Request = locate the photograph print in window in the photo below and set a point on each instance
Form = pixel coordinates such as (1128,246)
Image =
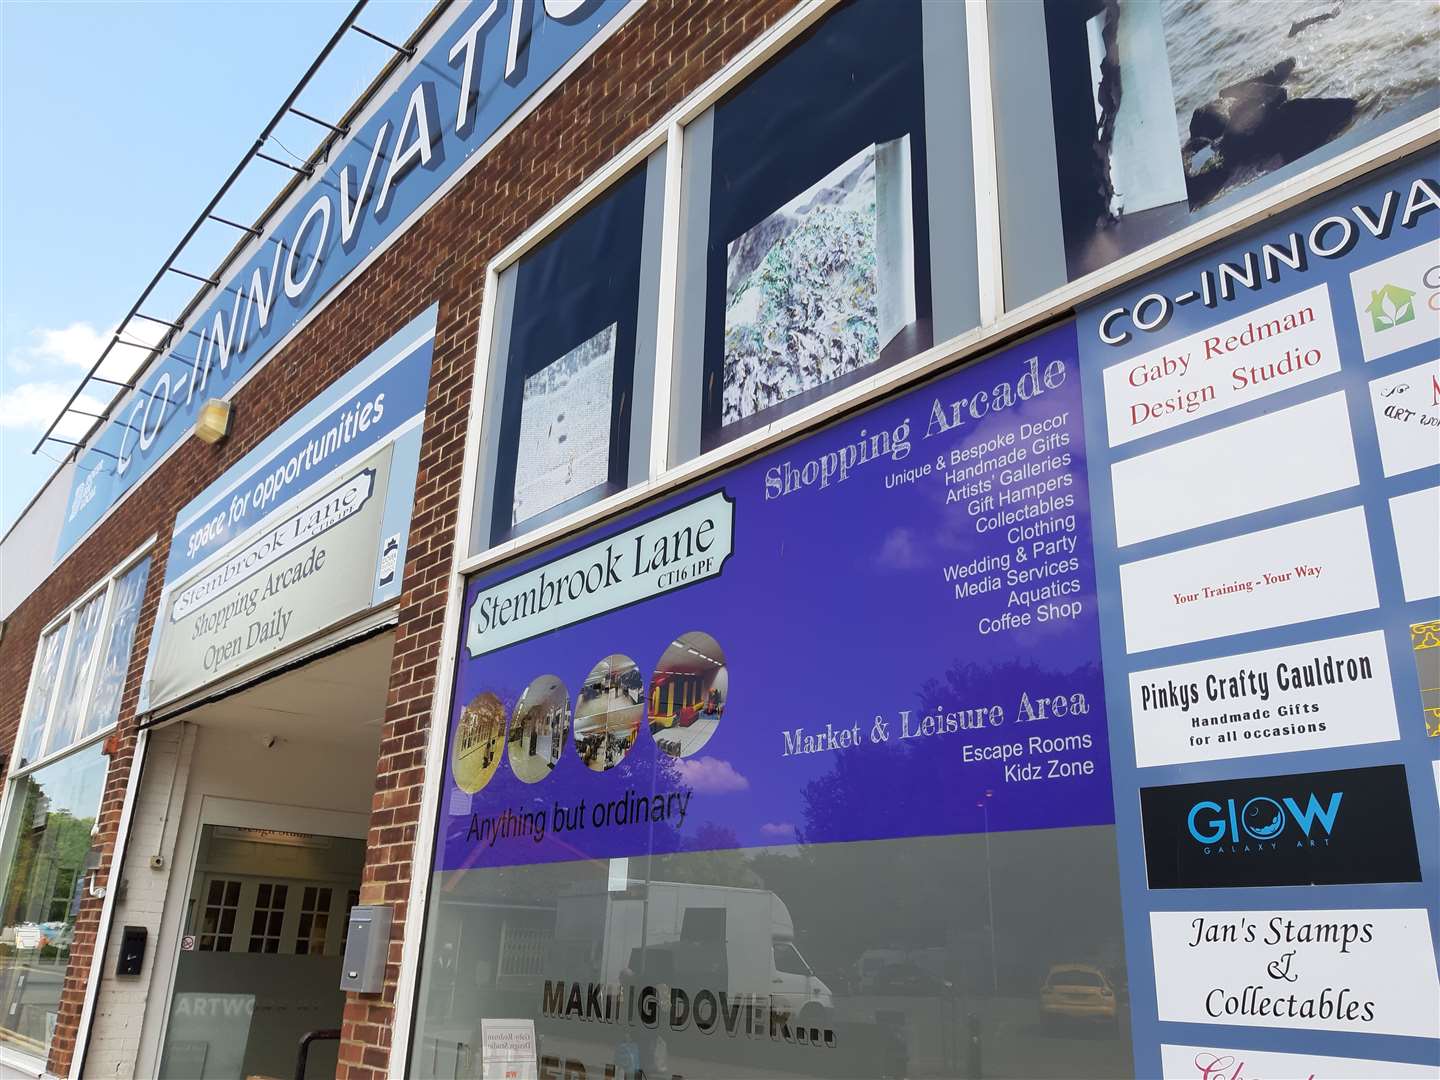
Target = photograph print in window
(816,289)
(1164,111)
(565,427)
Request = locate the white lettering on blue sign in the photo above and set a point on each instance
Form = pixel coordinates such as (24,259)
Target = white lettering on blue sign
(454,97)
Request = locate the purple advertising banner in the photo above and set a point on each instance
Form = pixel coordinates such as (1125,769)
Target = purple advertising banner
(886,629)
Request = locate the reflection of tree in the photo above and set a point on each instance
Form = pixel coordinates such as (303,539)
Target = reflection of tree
(47,860)
(929,892)
(927,896)
(715,859)
(970,683)
(900,788)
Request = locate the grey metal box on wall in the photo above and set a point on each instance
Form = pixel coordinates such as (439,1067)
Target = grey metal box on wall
(366,947)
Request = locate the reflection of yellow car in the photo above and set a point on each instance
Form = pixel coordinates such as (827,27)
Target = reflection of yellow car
(1078,992)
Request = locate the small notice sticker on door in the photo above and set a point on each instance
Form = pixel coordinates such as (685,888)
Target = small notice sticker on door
(507,1049)
(187,943)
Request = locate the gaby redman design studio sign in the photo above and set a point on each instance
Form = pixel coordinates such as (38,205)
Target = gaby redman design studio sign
(489,58)
(304,531)
(885,629)
(1350,970)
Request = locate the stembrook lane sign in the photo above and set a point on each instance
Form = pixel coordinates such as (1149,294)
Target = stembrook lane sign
(682,547)
(305,531)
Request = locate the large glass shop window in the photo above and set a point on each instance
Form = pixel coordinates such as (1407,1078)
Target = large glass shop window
(45,858)
(707,813)
(53,800)
(828,220)
(568,409)
(1153,115)
(931,957)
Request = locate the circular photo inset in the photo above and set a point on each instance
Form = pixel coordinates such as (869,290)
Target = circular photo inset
(688,694)
(479,740)
(539,728)
(608,714)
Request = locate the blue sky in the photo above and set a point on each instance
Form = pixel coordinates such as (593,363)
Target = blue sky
(118,121)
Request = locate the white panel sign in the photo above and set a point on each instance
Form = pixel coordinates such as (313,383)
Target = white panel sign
(1396,300)
(1407,418)
(1292,573)
(1416,518)
(1216,1063)
(1300,697)
(1367,970)
(1279,458)
(686,545)
(301,569)
(1284,344)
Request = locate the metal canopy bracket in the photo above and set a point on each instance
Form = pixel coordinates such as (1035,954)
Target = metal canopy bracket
(316,120)
(208,214)
(194,277)
(408,52)
(152,318)
(234,224)
(304,170)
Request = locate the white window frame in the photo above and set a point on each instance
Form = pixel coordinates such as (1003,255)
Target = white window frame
(999,325)
(105,585)
(10,1057)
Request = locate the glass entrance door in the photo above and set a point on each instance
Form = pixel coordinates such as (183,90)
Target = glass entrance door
(260,958)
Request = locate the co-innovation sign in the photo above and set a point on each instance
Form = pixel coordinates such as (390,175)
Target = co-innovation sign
(491,58)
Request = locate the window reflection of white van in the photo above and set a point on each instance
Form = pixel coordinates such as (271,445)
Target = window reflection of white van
(694,937)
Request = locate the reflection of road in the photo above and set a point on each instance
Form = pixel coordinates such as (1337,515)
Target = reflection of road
(1012,1040)
(38,997)
(934,1032)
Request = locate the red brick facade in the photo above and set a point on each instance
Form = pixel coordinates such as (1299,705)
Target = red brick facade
(661,54)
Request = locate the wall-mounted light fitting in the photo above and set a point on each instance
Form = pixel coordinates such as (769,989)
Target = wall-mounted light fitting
(213,423)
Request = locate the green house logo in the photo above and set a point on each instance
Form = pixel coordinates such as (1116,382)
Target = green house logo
(1390,307)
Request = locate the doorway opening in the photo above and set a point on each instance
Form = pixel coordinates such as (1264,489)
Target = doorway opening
(259,964)
(263,803)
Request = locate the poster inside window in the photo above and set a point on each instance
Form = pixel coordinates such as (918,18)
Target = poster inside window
(114,662)
(575,318)
(565,428)
(812,192)
(42,694)
(1166,112)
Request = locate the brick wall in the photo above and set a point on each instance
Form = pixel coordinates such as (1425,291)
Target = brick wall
(665,51)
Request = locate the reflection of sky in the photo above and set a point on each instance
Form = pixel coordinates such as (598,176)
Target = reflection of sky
(816,628)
